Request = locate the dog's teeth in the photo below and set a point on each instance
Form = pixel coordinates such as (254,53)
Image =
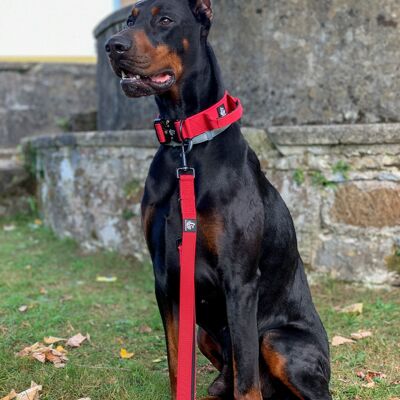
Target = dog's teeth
(123,74)
(137,76)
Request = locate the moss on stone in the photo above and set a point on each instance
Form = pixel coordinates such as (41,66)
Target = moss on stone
(393,261)
(298,176)
(133,191)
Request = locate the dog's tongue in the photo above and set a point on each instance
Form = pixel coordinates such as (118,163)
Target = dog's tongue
(161,78)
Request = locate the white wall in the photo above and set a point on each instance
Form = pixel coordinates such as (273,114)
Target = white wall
(50,27)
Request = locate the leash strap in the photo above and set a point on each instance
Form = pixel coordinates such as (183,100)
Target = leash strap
(186,379)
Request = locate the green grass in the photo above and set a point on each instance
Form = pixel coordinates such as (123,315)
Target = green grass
(31,258)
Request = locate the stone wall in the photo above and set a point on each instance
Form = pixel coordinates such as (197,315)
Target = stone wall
(341,183)
(37,98)
(291,62)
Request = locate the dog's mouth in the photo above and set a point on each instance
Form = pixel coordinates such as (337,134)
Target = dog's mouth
(136,84)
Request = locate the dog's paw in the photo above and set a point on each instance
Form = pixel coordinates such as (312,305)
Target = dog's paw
(218,389)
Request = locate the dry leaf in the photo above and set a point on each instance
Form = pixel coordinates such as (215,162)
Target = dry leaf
(125,354)
(369,377)
(39,356)
(66,297)
(8,228)
(158,360)
(38,222)
(30,394)
(61,350)
(368,385)
(12,395)
(145,329)
(52,340)
(43,353)
(394,398)
(361,335)
(356,308)
(43,290)
(106,279)
(85,398)
(23,308)
(76,341)
(374,374)
(339,340)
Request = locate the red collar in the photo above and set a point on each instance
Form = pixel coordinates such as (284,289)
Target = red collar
(207,123)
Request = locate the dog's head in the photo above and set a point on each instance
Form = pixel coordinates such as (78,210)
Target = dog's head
(159,41)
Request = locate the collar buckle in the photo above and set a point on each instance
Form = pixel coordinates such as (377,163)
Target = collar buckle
(167,130)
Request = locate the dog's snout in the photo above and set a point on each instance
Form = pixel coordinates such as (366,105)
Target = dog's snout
(118,44)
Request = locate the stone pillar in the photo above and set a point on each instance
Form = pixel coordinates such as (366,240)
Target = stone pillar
(291,62)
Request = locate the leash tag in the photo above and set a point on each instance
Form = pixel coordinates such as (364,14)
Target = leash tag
(190,225)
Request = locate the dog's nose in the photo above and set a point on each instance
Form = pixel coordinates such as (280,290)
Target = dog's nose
(118,44)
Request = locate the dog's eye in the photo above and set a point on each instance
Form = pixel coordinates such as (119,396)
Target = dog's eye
(131,21)
(165,21)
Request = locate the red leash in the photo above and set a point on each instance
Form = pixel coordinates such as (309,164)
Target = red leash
(197,129)
(186,385)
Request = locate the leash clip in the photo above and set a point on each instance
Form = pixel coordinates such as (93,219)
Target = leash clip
(187,146)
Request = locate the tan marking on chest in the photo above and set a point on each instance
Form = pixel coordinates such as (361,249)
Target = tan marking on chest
(211,228)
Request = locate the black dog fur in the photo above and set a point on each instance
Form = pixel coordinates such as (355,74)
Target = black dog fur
(257,322)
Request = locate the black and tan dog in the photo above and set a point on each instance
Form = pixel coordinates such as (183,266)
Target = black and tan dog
(258,324)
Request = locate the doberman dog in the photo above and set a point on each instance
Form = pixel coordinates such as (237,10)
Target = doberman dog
(257,322)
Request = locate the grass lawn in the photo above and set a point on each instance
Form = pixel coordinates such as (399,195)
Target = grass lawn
(114,314)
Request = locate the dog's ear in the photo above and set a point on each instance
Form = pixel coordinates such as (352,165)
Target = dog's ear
(202,10)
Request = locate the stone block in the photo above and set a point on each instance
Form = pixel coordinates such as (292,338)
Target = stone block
(37,98)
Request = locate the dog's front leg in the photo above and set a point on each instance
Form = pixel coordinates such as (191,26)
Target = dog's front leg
(170,316)
(241,299)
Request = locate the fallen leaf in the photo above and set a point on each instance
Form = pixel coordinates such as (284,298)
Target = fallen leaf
(23,308)
(361,335)
(30,394)
(66,297)
(12,395)
(374,374)
(61,349)
(43,353)
(38,222)
(339,340)
(52,340)
(28,267)
(370,377)
(8,228)
(356,308)
(158,360)
(43,290)
(85,398)
(369,385)
(145,329)
(208,368)
(394,398)
(70,327)
(40,356)
(76,341)
(125,354)
(106,279)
